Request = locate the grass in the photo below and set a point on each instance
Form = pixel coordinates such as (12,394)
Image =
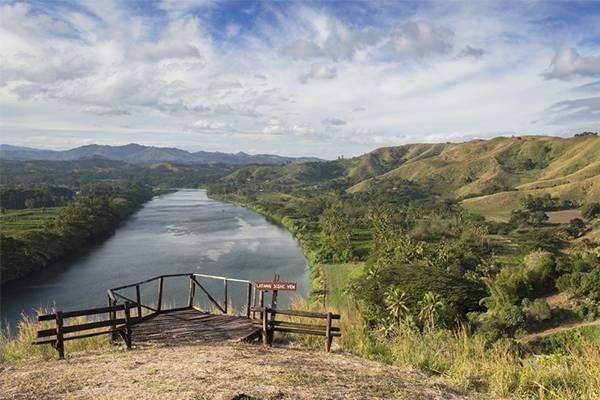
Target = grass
(19,346)
(467,362)
(337,277)
(16,222)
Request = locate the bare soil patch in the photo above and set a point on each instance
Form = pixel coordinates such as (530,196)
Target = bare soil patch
(563,216)
(231,371)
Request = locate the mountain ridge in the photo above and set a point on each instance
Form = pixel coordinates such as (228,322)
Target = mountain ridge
(139,154)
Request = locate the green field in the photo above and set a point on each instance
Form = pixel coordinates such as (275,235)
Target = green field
(336,278)
(17,222)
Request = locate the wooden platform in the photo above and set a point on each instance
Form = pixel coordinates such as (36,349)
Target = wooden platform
(192,326)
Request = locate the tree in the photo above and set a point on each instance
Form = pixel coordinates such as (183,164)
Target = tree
(591,210)
(431,305)
(576,227)
(336,229)
(395,303)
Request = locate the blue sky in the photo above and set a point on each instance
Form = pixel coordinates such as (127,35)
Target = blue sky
(295,77)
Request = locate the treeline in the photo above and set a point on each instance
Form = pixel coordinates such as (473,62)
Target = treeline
(75,174)
(17,198)
(546,203)
(96,212)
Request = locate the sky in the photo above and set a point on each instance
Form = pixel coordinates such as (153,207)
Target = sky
(297,78)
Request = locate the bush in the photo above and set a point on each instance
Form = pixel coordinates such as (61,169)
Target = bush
(591,210)
(460,295)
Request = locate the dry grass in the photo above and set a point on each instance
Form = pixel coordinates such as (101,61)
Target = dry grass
(214,372)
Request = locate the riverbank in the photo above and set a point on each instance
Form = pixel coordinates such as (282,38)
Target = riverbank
(305,239)
(29,245)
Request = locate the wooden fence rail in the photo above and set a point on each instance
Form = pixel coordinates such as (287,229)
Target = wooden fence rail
(270,324)
(57,334)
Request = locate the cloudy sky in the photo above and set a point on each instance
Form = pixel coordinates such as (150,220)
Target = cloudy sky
(295,78)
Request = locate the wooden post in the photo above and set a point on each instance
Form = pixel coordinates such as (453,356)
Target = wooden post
(127,326)
(160,293)
(329,338)
(60,343)
(112,315)
(265,327)
(274,308)
(261,302)
(192,293)
(254,300)
(138,299)
(225,295)
(248,300)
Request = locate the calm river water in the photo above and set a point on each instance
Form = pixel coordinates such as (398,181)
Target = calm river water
(178,232)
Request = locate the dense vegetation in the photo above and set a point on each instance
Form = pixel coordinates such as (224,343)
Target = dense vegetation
(94,213)
(427,271)
(73,174)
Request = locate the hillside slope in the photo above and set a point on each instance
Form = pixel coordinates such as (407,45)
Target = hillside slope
(484,173)
(233,371)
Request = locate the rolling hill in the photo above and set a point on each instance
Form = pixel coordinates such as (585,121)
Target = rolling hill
(138,154)
(488,176)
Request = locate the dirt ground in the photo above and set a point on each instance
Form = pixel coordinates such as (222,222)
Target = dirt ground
(225,371)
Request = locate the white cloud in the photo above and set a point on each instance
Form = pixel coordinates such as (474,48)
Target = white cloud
(291,77)
(567,63)
(421,39)
(333,122)
(319,71)
(203,124)
(301,49)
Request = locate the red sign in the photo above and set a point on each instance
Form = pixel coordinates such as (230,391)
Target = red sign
(272,285)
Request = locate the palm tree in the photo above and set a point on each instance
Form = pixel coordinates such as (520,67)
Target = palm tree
(395,303)
(431,305)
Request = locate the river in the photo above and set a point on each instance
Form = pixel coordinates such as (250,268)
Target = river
(179,232)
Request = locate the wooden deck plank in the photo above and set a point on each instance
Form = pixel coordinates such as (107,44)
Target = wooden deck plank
(193,326)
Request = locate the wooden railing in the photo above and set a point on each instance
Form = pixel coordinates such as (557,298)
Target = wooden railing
(195,282)
(60,332)
(118,318)
(271,325)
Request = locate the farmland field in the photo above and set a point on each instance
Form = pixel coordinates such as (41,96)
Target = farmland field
(563,216)
(16,222)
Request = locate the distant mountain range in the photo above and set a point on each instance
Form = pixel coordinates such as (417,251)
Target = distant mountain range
(138,154)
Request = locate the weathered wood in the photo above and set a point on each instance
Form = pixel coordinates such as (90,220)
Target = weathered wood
(79,313)
(265,328)
(328,333)
(138,301)
(225,296)
(127,326)
(112,315)
(298,313)
(192,326)
(191,293)
(212,300)
(60,344)
(304,326)
(261,304)
(305,331)
(248,300)
(160,293)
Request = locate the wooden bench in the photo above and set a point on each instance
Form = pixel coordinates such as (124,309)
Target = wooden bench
(60,333)
(270,324)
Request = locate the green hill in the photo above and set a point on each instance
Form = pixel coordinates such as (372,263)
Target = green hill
(489,176)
